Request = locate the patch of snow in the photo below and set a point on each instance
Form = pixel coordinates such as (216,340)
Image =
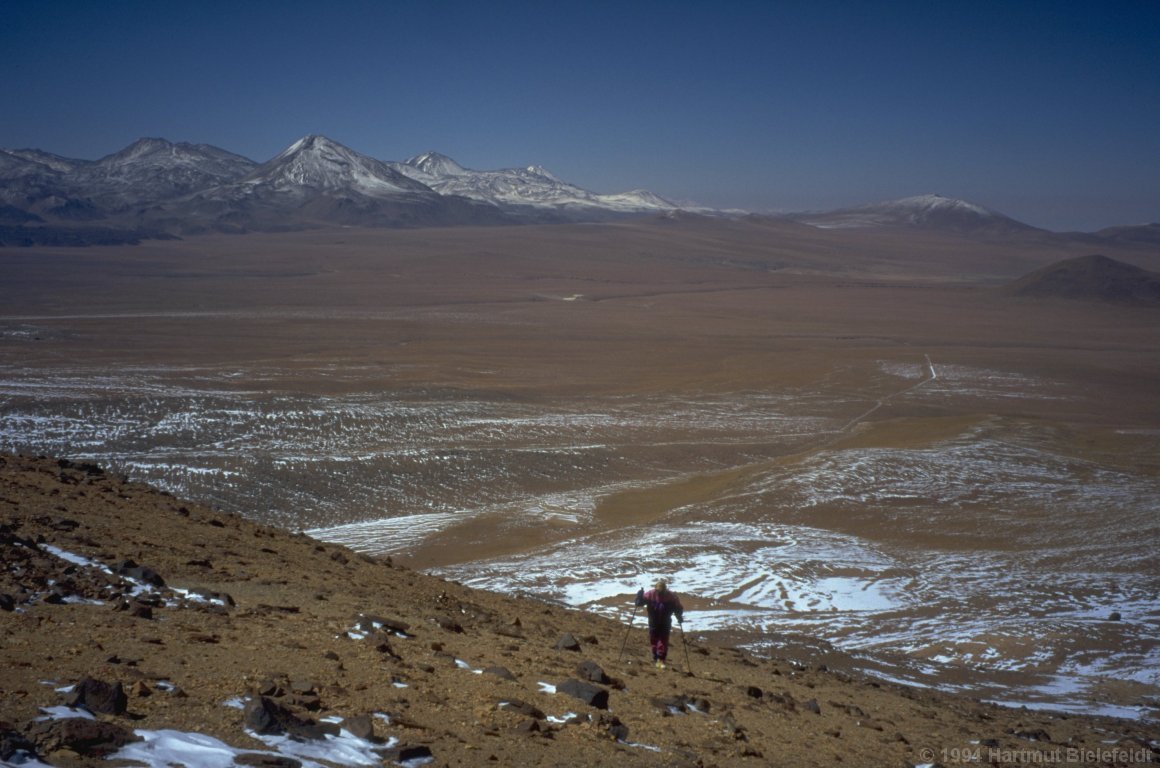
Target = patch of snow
(195,597)
(344,749)
(80,560)
(77,600)
(638,745)
(164,748)
(65,713)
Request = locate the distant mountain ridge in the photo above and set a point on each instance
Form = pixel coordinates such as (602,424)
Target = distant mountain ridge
(533,186)
(157,186)
(318,182)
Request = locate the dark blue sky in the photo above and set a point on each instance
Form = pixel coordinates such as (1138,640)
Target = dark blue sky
(1047,111)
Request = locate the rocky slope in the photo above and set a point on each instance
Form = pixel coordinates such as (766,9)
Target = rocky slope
(166,619)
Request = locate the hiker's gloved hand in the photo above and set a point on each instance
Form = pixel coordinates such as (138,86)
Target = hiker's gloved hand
(640,594)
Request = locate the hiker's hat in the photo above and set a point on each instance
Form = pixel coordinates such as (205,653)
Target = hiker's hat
(661,584)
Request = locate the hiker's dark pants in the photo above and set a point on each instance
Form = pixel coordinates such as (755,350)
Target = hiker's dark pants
(658,638)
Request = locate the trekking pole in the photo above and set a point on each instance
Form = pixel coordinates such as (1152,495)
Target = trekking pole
(685,642)
(626,631)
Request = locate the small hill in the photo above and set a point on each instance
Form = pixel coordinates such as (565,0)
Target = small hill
(162,632)
(1091,278)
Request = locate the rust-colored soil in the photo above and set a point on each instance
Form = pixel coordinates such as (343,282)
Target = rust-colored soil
(296,600)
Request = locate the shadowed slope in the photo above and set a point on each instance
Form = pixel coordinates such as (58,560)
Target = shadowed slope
(1091,278)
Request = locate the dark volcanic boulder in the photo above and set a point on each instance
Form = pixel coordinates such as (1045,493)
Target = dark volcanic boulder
(266,716)
(368,623)
(360,726)
(98,696)
(592,672)
(567,643)
(402,754)
(522,708)
(12,741)
(592,695)
(89,738)
(137,609)
(503,672)
(131,570)
(449,624)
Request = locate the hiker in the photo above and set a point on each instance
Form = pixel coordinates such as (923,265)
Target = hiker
(662,605)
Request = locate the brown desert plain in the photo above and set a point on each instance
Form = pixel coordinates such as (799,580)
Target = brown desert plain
(582,408)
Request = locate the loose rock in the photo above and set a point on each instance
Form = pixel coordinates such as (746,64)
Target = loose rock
(592,695)
(90,738)
(98,696)
(592,672)
(567,643)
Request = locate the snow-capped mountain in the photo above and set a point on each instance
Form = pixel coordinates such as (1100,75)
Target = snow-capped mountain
(32,184)
(144,173)
(921,211)
(158,186)
(533,186)
(149,170)
(53,162)
(182,187)
(317,182)
(316,163)
(434,166)
(14,167)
